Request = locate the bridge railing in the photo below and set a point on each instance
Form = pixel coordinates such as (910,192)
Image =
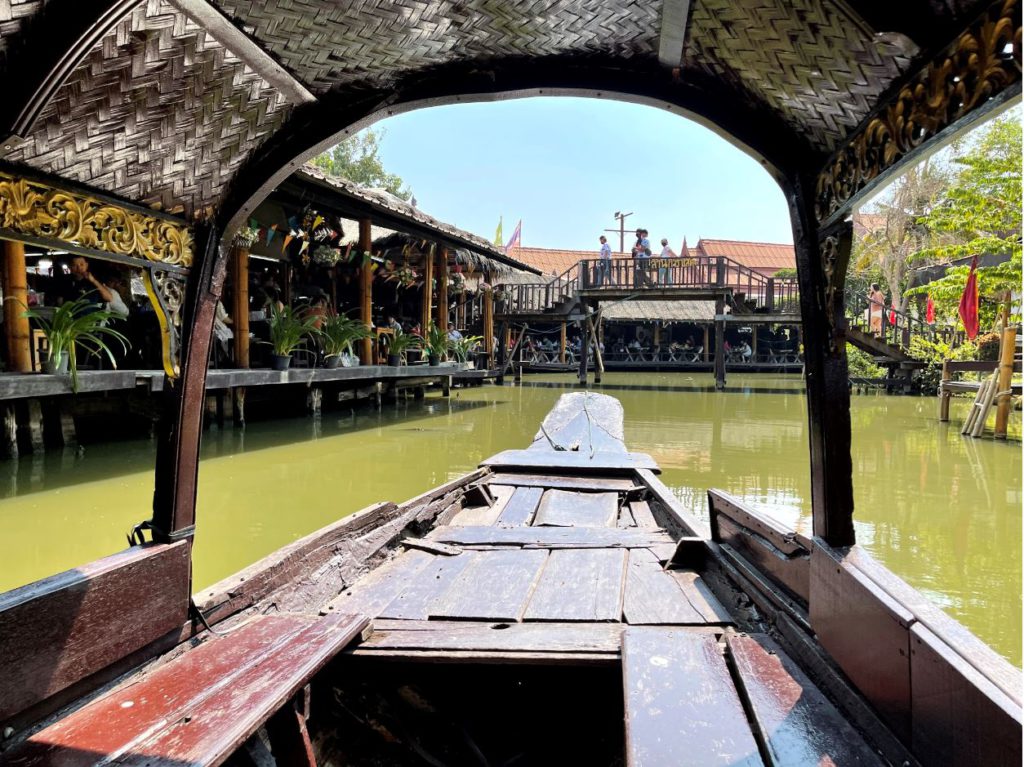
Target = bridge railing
(897,327)
(594,275)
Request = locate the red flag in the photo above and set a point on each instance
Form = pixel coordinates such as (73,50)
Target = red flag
(969,302)
(929,311)
(892,312)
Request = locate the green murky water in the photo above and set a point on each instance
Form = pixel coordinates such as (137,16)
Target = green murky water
(942,511)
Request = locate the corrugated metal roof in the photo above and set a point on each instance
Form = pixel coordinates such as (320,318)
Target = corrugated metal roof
(756,255)
(663,311)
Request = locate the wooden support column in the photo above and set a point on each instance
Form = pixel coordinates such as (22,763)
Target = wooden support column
(719,345)
(707,344)
(489,324)
(365,290)
(822,258)
(584,348)
(442,287)
(19,355)
(1007,349)
(240,305)
(428,293)
(561,344)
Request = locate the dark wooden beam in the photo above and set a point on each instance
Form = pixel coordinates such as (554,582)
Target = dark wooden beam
(674,15)
(181,424)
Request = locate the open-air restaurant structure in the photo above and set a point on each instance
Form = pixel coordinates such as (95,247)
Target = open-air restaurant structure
(556,604)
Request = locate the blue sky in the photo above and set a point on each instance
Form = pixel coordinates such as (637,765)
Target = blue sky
(565,165)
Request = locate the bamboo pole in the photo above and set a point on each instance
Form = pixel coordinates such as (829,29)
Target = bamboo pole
(16,330)
(428,293)
(442,288)
(1007,348)
(240,305)
(366,290)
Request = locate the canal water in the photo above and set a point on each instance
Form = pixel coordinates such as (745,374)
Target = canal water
(941,511)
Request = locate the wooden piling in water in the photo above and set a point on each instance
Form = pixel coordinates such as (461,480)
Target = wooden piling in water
(16,330)
(366,289)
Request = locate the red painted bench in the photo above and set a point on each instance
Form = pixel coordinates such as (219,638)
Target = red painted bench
(201,706)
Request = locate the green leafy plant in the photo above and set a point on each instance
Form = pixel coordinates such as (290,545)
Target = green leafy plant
(339,332)
(934,353)
(860,364)
(79,324)
(465,346)
(288,329)
(437,343)
(402,342)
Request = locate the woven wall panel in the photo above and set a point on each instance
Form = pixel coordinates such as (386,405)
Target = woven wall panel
(327,43)
(818,69)
(158,112)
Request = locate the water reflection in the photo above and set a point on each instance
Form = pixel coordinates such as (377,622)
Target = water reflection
(940,510)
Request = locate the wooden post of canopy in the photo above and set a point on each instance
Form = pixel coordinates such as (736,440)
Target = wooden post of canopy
(240,305)
(19,354)
(707,344)
(561,344)
(428,291)
(489,323)
(1007,349)
(442,288)
(365,289)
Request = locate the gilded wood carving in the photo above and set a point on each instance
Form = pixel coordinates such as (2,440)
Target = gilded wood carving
(37,210)
(983,62)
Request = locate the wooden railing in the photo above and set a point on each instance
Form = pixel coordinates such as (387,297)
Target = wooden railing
(750,289)
(898,328)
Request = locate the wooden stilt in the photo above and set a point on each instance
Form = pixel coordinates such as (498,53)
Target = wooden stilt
(596,344)
(366,290)
(238,395)
(707,344)
(944,395)
(16,330)
(66,424)
(240,305)
(719,345)
(1007,349)
(442,287)
(489,325)
(426,311)
(561,343)
(10,431)
(34,425)
(584,348)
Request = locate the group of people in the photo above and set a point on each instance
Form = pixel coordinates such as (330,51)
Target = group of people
(642,270)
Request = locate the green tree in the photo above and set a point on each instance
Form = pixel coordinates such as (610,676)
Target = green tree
(978,214)
(358,159)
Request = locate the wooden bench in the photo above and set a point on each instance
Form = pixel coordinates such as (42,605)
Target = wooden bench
(201,706)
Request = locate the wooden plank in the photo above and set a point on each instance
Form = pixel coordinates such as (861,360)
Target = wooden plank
(62,629)
(700,596)
(583,484)
(785,540)
(550,537)
(374,591)
(491,657)
(653,596)
(431,547)
(796,722)
(675,518)
(623,463)
(426,587)
(519,508)
(958,716)
(199,707)
(495,585)
(681,705)
(865,631)
(642,514)
(584,421)
(579,585)
(792,573)
(565,508)
(500,637)
(485,515)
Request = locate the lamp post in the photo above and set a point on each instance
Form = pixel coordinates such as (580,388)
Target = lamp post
(621,218)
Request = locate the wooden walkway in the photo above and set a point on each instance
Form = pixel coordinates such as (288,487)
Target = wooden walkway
(543,567)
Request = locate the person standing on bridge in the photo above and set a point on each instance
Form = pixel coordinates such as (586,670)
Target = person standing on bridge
(666,254)
(604,265)
(641,260)
(876,307)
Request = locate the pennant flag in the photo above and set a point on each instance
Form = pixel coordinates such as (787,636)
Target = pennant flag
(498,238)
(515,242)
(304,247)
(929,311)
(287,238)
(293,222)
(254,224)
(969,302)
(317,221)
(892,312)
(271,232)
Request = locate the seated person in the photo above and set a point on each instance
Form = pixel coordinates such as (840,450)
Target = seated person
(745,351)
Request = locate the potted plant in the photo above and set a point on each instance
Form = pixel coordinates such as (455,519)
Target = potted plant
(465,346)
(337,334)
(437,344)
(401,343)
(288,329)
(73,325)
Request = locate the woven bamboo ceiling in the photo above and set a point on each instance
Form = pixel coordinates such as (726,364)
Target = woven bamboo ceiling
(170,98)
